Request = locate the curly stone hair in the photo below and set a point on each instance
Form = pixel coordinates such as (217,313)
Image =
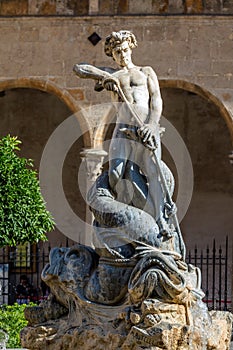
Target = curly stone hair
(116,38)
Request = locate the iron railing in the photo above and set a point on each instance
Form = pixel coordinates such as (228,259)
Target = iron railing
(216,271)
(29,260)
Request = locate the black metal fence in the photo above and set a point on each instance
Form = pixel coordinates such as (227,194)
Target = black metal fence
(29,260)
(216,268)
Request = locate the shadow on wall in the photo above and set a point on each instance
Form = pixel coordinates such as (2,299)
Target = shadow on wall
(207,138)
(33,115)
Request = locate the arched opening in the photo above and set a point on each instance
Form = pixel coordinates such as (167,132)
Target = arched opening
(32,115)
(207,129)
(207,137)
(52,88)
(205,94)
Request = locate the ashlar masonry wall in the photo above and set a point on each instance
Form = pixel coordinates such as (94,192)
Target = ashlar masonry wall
(113,7)
(193,50)
(191,53)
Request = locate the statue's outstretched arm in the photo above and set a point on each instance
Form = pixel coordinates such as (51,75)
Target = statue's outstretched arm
(88,71)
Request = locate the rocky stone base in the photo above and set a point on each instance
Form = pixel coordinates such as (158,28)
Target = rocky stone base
(61,334)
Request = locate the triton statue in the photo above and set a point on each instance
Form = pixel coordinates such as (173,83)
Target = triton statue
(134,290)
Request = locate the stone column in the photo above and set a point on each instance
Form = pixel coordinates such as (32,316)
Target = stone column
(92,160)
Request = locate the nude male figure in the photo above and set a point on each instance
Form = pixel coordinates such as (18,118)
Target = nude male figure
(141,90)
(138,88)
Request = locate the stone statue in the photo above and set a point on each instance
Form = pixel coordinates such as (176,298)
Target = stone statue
(134,290)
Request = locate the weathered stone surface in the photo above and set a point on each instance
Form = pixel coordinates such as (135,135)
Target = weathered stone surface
(72,7)
(160,6)
(151,323)
(48,310)
(47,8)
(194,6)
(13,7)
(64,334)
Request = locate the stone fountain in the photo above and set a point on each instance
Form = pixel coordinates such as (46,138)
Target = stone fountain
(134,290)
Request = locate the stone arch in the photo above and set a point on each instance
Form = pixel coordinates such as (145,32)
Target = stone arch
(33,112)
(206,94)
(203,122)
(103,127)
(52,88)
(102,130)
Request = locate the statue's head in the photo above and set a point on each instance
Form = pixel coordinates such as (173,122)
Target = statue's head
(119,46)
(117,38)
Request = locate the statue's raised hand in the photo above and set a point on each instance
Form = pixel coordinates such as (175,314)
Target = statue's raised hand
(111,84)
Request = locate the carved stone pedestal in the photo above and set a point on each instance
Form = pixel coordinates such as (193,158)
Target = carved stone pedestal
(63,334)
(133,291)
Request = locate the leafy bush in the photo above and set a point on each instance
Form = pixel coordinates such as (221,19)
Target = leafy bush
(23,215)
(12,320)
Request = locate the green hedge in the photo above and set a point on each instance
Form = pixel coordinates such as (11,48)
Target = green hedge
(12,320)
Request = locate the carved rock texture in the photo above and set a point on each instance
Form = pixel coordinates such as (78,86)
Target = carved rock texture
(61,335)
(133,292)
(159,308)
(70,321)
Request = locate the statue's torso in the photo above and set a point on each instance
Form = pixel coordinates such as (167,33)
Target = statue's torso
(133,83)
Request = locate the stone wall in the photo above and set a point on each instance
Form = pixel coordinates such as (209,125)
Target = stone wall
(113,7)
(32,116)
(194,53)
(191,54)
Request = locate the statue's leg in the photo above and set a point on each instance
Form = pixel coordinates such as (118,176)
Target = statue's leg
(155,190)
(118,155)
(139,187)
(155,201)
